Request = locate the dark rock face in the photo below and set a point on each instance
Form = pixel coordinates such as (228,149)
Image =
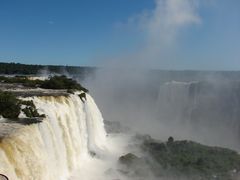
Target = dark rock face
(9,126)
(83,97)
(134,166)
(128,159)
(26,121)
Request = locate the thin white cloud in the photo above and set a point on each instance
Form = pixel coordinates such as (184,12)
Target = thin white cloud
(161,27)
(169,16)
(51,22)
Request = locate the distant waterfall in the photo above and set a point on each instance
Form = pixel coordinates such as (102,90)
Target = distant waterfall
(206,111)
(54,148)
(174,103)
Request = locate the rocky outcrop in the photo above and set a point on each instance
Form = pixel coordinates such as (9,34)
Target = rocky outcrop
(182,159)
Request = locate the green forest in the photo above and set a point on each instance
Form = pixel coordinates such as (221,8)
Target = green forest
(26,69)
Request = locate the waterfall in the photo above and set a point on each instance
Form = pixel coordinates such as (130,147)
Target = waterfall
(203,111)
(174,103)
(71,131)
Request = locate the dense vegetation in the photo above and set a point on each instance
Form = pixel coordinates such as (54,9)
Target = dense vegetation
(24,69)
(11,107)
(185,159)
(25,81)
(30,109)
(54,82)
(62,82)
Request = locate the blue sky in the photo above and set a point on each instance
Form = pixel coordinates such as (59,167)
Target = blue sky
(93,32)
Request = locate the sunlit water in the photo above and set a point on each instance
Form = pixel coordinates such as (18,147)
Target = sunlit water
(70,143)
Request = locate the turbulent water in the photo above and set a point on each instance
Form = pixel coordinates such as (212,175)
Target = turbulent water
(71,142)
(72,131)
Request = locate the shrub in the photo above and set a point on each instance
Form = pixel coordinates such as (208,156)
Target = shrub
(30,109)
(188,157)
(170,140)
(9,105)
(55,82)
(62,82)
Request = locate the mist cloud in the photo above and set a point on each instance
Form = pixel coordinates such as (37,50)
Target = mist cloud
(160,29)
(169,17)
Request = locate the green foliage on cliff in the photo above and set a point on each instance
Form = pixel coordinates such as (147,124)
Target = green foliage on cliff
(62,82)
(185,159)
(10,106)
(54,82)
(189,157)
(30,109)
(24,80)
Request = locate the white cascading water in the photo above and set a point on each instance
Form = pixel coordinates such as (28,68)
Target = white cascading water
(53,149)
(173,103)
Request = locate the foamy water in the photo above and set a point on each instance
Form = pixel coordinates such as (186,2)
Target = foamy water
(59,147)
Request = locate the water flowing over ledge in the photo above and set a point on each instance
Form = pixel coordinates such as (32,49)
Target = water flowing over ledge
(72,130)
